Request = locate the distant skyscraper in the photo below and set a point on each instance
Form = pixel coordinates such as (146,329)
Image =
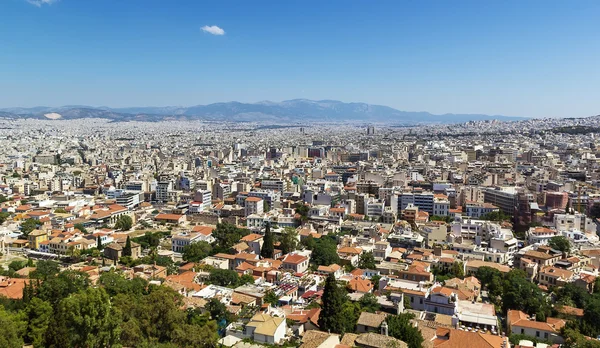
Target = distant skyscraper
(370,130)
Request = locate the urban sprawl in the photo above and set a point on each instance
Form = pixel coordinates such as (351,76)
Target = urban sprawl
(210,234)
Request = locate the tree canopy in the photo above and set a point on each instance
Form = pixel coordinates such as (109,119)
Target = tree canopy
(334,298)
(288,240)
(195,252)
(62,309)
(325,252)
(366,260)
(560,243)
(267,249)
(124,223)
(400,327)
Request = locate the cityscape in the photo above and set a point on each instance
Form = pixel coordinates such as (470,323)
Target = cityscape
(307,222)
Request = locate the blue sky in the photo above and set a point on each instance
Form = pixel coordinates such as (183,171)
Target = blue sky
(520,58)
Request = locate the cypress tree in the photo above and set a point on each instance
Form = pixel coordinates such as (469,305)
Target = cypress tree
(127,248)
(98,243)
(334,298)
(267,248)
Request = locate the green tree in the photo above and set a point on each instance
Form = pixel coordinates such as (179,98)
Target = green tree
(192,336)
(246,279)
(65,283)
(267,248)
(45,269)
(39,315)
(400,327)
(495,216)
(591,313)
(3,217)
(332,315)
(29,225)
(127,248)
(271,298)
(223,277)
(16,265)
(560,243)
(572,295)
(521,294)
(93,321)
(491,279)
(458,269)
(226,235)
(309,243)
(325,252)
(195,252)
(81,228)
(60,211)
(368,303)
(375,281)
(13,329)
(289,240)
(218,311)
(124,223)
(366,260)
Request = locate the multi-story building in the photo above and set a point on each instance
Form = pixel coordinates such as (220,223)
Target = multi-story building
(476,210)
(254,205)
(505,198)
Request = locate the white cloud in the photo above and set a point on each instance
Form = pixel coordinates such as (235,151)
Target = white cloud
(39,3)
(212,29)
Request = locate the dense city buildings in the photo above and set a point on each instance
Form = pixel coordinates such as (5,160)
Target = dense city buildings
(414,219)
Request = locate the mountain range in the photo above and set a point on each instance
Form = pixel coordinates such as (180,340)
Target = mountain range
(296,110)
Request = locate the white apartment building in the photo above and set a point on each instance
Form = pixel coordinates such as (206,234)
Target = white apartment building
(441,207)
(183,239)
(374,207)
(540,235)
(254,205)
(569,222)
(274,185)
(476,210)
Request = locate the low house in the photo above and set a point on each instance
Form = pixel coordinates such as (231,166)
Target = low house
(319,339)
(370,322)
(264,328)
(334,269)
(12,288)
(170,218)
(554,276)
(452,338)
(36,237)
(360,285)
(254,242)
(472,266)
(295,262)
(520,324)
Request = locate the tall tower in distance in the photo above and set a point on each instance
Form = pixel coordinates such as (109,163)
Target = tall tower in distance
(370,130)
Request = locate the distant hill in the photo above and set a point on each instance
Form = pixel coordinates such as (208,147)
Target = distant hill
(296,110)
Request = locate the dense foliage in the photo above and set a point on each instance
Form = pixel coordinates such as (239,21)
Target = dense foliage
(560,243)
(267,248)
(400,327)
(366,260)
(61,309)
(324,251)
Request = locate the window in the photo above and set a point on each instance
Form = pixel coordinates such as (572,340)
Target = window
(537,334)
(522,331)
(545,335)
